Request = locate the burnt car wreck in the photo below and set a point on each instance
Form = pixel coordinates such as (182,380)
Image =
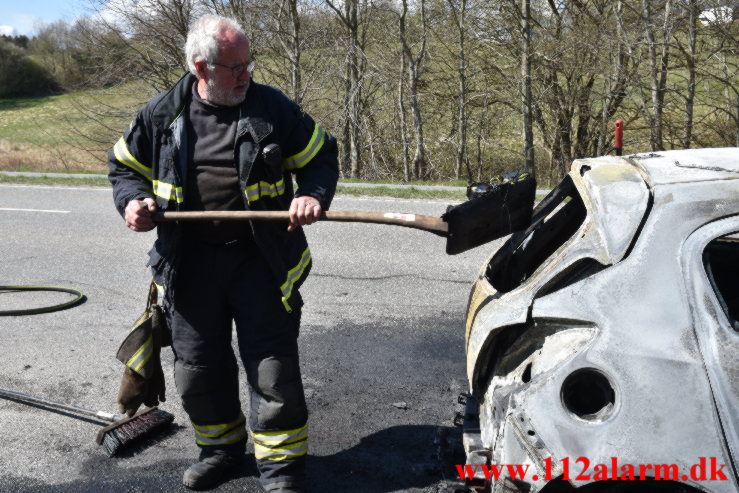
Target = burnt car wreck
(608,331)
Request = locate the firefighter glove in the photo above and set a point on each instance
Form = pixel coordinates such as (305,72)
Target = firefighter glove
(136,390)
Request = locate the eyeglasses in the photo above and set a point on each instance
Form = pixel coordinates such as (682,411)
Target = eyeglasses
(237,70)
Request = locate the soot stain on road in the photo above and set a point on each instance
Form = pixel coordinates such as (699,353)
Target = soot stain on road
(381,397)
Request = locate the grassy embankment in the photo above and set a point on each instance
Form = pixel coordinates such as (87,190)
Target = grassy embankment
(65,133)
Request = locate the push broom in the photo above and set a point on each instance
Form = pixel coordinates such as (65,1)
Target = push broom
(120,433)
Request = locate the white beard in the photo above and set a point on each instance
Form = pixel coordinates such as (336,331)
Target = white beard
(216,95)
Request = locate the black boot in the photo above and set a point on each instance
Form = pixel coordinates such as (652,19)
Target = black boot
(211,468)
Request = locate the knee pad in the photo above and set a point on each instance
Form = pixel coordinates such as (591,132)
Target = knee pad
(277,393)
(208,394)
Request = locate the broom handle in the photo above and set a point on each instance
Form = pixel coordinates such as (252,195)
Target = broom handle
(66,407)
(425,223)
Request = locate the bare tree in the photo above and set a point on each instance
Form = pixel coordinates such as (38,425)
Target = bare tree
(528,131)
(53,46)
(623,66)
(353,18)
(689,52)
(577,85)
(412,64)
(458,11)
(724,70)
(288,23)
(658,66)
(149,38)
(402,115)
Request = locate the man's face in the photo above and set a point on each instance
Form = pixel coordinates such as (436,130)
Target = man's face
(220,85)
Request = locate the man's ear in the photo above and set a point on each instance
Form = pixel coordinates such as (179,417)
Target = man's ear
(201,69)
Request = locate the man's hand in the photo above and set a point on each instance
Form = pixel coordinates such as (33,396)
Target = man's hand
(304,210)
(138,215)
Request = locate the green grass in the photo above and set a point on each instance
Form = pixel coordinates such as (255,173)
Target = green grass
(43,180)
(29,120)
(68,118)
(401,193)
(68,132)
(24,103)
(451,183)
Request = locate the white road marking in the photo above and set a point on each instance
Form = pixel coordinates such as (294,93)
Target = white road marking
(33,210)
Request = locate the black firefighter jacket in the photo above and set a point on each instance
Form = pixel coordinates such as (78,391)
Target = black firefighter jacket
(150,160)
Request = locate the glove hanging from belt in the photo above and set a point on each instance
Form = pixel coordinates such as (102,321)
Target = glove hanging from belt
(143,379)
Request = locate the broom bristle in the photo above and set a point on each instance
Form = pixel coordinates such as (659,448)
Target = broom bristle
(145,424)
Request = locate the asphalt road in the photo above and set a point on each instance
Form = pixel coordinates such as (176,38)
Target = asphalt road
(381,345)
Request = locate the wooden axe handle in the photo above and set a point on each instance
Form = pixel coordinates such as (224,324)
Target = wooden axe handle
(425,223)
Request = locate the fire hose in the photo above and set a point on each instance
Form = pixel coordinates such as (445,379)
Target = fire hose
(80,298)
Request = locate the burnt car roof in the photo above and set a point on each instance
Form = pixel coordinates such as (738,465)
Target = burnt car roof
(688,165)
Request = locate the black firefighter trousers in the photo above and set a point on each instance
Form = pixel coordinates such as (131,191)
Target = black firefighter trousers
(215,286)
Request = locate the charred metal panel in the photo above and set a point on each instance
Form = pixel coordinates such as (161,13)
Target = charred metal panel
(617,199)
(617,343)
(606,188)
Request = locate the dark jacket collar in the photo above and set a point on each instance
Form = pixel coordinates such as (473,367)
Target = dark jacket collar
(171,103)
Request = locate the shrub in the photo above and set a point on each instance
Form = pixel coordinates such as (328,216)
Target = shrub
(22,76)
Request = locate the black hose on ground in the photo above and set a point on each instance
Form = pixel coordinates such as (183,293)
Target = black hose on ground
(80,298)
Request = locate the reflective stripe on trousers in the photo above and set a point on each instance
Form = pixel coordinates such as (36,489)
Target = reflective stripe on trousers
(280,445)
(221,434)
(293,276)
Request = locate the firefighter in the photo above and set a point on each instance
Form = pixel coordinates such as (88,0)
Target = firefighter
(217,140)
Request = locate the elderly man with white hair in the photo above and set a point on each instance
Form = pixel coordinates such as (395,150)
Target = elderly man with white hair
(217,140)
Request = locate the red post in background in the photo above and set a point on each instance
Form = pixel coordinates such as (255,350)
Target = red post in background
(619,140)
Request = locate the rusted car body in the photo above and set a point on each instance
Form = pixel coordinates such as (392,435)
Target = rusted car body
(608,331)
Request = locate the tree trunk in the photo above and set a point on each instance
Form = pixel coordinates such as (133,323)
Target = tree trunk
(295,52)
(287,32)
(690,64)
(355,105)
(731,96)
(349,18)
(419,158)
(528,131)
(460,17)
(403,124)
(346,129)
(352,8)
(657,70)
(664,59)
(615,87)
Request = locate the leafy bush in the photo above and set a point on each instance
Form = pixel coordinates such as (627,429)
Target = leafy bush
(21,75)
